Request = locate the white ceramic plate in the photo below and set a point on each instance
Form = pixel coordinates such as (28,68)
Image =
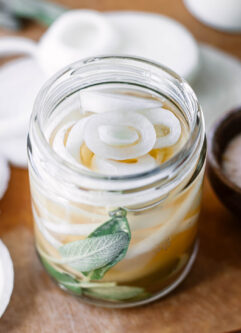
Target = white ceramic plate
(218,86)
(20,81)
(157,37)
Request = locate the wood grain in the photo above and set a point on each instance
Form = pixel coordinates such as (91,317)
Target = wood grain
(210,298)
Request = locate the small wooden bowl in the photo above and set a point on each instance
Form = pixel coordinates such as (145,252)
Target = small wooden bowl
(220,135)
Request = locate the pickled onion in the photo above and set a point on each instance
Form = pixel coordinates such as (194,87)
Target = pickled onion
(110,167)
(59,146)
(163,117)
(75,139)
(98,102)
(147,135)
(117,135)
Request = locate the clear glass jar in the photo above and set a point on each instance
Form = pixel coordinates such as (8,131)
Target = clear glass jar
(160,207)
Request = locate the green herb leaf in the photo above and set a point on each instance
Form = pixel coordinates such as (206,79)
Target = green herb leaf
(118,223)
(92,253)
(64,279)
(117,293)
(103,290)
(103,248)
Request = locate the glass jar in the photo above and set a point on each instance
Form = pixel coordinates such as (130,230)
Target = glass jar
(155,212)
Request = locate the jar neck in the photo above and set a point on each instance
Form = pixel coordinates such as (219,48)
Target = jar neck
(57,172)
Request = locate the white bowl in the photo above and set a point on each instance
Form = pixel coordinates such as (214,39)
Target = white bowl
(220,14)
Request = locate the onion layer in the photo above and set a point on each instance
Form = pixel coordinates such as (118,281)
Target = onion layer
(117,135)
(164,118)
(98,102)
(147,135)
(75,139)
(110,167)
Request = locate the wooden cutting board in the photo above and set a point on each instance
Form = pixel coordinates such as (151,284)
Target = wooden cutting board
(208,301)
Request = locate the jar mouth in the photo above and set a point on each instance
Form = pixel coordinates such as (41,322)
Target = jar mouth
(149,71)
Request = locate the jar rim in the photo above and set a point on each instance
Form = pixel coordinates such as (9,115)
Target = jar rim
(160,172)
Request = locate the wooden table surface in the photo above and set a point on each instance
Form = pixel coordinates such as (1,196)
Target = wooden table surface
(209,300)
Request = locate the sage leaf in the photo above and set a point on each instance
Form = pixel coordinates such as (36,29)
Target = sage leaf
(92,253)
(64,279)
(116,293)
(118,223)
(105,290)
(102,249)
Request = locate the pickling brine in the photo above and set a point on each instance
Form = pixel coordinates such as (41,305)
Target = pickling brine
(116,169)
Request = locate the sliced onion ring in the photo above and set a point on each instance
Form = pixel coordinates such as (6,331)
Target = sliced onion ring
(117,135)
(110,167)
(165,118)
(147,135)
(98,102)
(58,143)
(75,139)
(60,148)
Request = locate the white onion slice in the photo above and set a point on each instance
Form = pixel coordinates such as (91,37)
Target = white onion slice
(98,102)
(187,223)
(117,135)
(58,143)
(50,238)
(147,135)
(71,156)
(71,209)
(70,229)
(167,119)
(75,35)
(110,167)
(6,277)
(4,176)
(155,218)
(149,243)
(75,139)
